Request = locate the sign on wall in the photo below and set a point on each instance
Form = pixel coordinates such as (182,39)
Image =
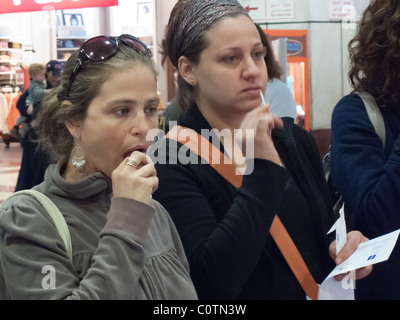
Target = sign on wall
(269,9)
(10,6)
(341,9)
(280,9)
(255,8)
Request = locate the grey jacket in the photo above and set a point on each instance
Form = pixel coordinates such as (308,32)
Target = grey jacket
(122,249)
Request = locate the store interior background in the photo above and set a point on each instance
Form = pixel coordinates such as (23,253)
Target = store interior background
(327,58)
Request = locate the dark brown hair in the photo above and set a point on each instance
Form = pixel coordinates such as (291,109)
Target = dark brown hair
(375,53)
(186,92)
(273,67)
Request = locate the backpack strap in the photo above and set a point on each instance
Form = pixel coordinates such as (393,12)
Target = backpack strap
(376,118)
(55,215)
(227,169)
(374,114)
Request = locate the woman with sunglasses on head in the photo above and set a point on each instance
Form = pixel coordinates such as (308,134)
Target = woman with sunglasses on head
(224,225)
(124,245)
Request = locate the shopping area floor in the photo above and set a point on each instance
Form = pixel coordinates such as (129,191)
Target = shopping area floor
(10,163)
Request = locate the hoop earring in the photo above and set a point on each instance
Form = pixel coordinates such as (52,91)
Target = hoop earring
(78,159)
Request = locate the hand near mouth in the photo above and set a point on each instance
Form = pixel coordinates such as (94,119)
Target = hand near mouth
(262,122)
(135,178)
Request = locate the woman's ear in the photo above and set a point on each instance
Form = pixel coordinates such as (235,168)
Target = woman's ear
(74,126)
(187,71)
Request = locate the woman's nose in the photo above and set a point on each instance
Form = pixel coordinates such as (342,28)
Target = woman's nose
(140,124)
(251,68)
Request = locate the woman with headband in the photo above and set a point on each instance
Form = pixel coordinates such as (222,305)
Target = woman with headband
(123,244)
(224,227)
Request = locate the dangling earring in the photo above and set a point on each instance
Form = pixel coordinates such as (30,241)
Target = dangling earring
(78,158)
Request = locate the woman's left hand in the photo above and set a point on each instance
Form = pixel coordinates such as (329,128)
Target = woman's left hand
(354,239)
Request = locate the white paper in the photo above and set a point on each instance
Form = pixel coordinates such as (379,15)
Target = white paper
(341,231)
(370,252)
(367,253)
(331,289)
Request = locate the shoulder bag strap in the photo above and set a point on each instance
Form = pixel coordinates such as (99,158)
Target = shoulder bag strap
(55,215)
(202,147)
(374,114)
(225,168)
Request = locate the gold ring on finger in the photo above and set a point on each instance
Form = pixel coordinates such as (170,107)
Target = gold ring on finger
(131,162)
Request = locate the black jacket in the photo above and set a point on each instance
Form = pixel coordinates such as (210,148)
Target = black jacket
(225,230)
(34,162)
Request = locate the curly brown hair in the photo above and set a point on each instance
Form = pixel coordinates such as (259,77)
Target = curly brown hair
(375,53)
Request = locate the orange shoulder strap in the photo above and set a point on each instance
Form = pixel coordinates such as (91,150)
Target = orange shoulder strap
(215,158)
(202,147)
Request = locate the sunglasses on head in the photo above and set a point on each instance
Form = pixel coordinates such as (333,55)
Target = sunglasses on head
(102,48)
